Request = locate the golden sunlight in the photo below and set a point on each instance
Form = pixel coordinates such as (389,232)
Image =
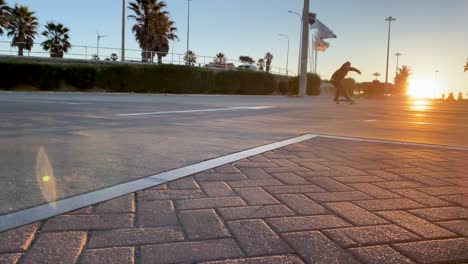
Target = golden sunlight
(424,89)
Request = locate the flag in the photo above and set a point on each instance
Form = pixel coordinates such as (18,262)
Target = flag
(320,44)
(323,31)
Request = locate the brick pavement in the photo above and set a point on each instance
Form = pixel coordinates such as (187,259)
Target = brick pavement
(320,201)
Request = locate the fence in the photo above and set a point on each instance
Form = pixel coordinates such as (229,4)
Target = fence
(131,55)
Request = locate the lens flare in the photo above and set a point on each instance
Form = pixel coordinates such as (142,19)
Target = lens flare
(424,89)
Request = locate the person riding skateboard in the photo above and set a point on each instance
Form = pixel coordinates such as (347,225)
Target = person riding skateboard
(337,80)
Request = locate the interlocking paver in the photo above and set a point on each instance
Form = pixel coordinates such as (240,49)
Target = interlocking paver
(339,196)
(217,189)
(124,204)
(421,197)
(286,259)
(373,190)
(385,175)
(10,258)
(256,173)
(290,178)
(257,239)
(251,212)
(151,195)
(314,247)
(189,252)
(301,204)
(205,203)
(254,183)
(183,184)
(156,213)
(307,223)
(256,196)
(389,204)
(349,170)
(228,168)
(355,214)
(220,177)
(17,240)
(436,251)
(398,184)
(457,226)
(457,199)
(330,184)
(203,224)
(416,225)
(358,179)
(450,190)
(63,247)
(380,254)
(442,213)
(110,255)
(88,222)
(310,188)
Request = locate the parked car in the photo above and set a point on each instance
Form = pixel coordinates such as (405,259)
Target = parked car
(248,67)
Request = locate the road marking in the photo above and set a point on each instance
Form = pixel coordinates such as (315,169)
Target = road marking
(43,102)
(200,110)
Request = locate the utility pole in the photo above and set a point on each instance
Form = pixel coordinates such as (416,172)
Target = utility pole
(287,57)
(397,62)
(390,19)
(123,31)
(188,24)
(304,50)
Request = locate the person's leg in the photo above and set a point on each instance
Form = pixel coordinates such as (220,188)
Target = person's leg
(346,94)
(337,88)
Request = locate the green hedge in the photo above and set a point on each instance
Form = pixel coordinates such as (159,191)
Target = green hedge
(146,79)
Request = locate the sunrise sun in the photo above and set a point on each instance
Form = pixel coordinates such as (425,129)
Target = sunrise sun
(421,89)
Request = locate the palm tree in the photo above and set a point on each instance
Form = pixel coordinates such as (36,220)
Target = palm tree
(190,58)
(153,29)
(22,27)
(261,64)
(4,11)
(376,75)
(220,58)
(58,39)
(268,60)
(401,80)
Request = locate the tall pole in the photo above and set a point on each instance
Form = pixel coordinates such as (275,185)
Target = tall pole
(397,62)
(304,50)
(389,19)
(287,56)
(123,30)
(188,24)
(437,75)
(300,49)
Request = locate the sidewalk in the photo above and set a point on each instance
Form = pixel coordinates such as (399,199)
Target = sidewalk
(320,201)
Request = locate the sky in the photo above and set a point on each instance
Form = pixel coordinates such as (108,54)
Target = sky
(431,34)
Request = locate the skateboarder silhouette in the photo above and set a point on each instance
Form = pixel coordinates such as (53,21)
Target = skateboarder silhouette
(337,81)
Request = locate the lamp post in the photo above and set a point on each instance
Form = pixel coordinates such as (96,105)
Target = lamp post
(300,50)
(390,19)
(123,31)
(397,60)
(188,24)
(304,50)
(99,37)
(287,57)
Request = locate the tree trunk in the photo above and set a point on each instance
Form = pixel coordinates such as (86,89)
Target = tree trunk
(20,50)
(160,58)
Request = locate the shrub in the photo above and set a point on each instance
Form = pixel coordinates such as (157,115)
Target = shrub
(313,85)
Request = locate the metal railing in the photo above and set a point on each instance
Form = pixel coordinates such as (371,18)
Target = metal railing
(81,52)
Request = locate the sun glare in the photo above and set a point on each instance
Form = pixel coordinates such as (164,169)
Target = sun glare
(423,89)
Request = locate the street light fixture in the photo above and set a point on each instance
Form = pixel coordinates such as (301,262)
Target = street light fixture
(397,60)
(300,48)
(287,57)
(390,19)
(188,24)
(123,31)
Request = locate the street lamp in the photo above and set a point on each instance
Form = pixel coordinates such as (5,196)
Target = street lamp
(123,30)
(287,57)
(300,48)
(397,58)
(99,37)
(390,19)
(188,24)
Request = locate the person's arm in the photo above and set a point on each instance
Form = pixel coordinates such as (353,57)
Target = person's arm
(354,70)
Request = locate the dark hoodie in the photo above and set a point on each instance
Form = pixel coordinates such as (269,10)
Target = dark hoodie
(341,73)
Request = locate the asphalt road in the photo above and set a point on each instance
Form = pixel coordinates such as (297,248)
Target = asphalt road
(56,145)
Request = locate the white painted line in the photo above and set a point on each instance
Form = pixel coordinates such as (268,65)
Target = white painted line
(394,142)
(42,102)
(27,216)
(200,110)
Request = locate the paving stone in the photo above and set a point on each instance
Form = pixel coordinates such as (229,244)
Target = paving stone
(358,179)
(189,252)
(83,211)
(315,166)
(253,164)
(389,204)
(370,235)
(228,168)
(256,174)
(457,226)
(110,255)
(64,247)
(373,190)
(124,204)
(315,174)
(339,196)
(151,195)
(156,214)
(18,240)
(88,222)
(183,184)
(426,180)
(254,183)
(416,225)
(296,169)
(257,239)
(10,258)
(409,170)
(451,190)
(301,204)
(380,254)
(286,259)
(398,184)
(203,224)
(421,197)
(355,214)
(284,163)
(220,177)
(251,212)
(134,237)
(256,196)
(205,203)
(441,213)
(458,199)
(258,158)
(294,189)
(290,178)
(385,175)
(314,247)
(330,184)
(436,251)
(307,223)
(217,189)
(349,170)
